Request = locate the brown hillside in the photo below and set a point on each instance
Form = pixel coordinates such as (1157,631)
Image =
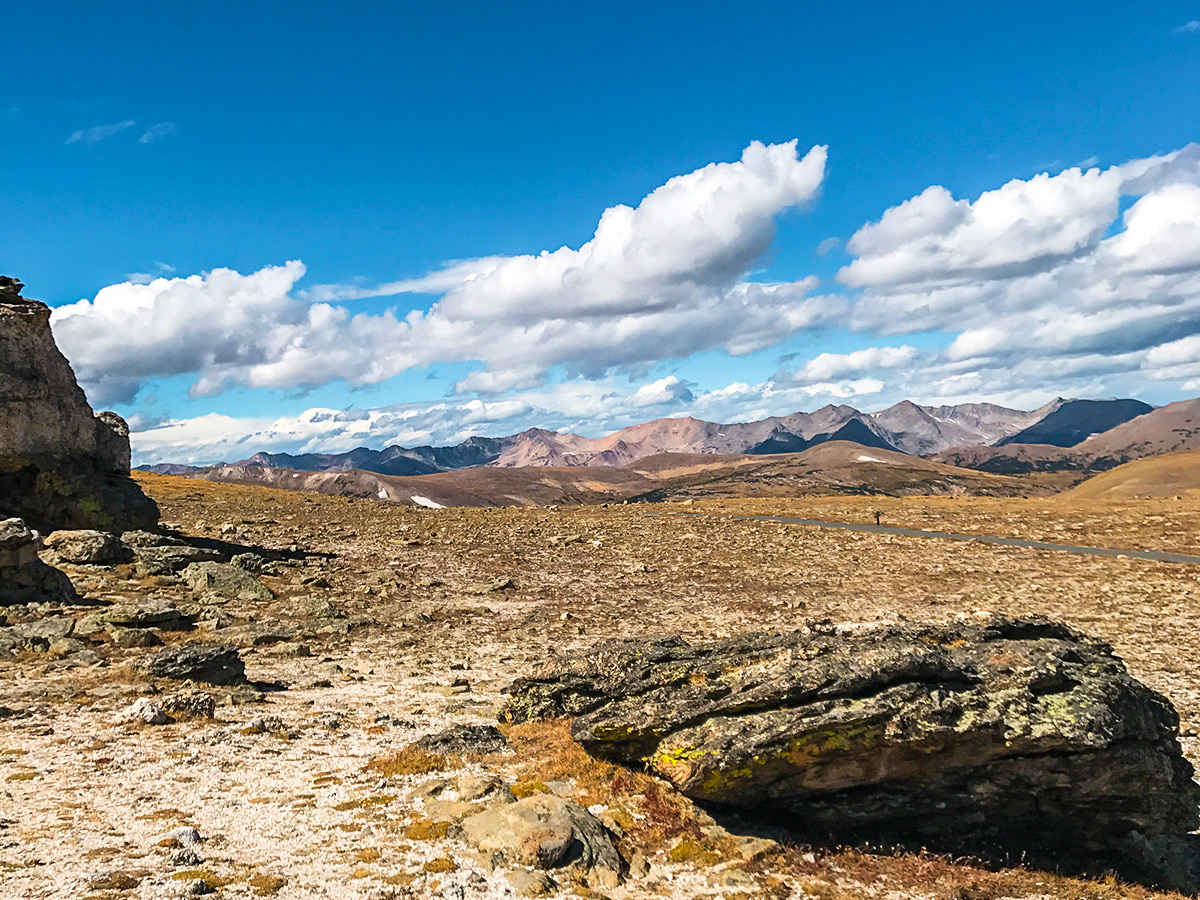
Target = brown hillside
(1156,476)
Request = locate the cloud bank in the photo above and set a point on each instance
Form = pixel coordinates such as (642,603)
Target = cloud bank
(1086,281)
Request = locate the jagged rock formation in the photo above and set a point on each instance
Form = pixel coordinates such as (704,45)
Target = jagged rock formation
(1020,738)
(60,465)
(24,578)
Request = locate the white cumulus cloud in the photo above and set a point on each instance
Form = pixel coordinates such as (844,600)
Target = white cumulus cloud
(661,280)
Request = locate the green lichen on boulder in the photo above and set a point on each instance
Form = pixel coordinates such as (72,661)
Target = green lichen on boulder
(1012,737)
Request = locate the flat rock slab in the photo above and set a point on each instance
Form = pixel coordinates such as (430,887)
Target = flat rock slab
(225,580)
(212,664)
(1019,737)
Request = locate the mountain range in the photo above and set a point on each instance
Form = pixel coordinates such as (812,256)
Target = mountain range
(973,435)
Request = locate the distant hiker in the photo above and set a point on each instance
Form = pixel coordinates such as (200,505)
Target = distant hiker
(878,516)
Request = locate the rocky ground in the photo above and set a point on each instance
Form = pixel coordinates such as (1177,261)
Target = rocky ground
(381,625)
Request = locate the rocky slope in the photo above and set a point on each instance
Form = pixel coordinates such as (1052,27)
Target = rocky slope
(1169,429)
(61,466)
(1074,421)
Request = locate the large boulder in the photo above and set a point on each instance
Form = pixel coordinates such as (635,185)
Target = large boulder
(24,578)
(1017,738)
(60,465)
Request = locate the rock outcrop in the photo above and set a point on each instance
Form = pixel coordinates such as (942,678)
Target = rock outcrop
(60,465)
(1013,738)
(24,578)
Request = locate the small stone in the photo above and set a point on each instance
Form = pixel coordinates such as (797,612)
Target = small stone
(249,562)
(490,587)
(169,559)
(545,831)
(186,856)
(194,705)
(185,836)
(66,647)
(143,711)
(153,612)
(528,883)
(465,739)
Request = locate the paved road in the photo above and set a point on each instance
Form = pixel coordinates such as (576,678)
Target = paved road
(1156,555)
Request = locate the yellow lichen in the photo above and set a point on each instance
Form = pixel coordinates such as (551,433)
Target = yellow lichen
(425,830)
(523,789)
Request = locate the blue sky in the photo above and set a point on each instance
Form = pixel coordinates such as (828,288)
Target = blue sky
(378,142)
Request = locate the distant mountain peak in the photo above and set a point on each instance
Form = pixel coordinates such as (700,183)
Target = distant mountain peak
(905,427)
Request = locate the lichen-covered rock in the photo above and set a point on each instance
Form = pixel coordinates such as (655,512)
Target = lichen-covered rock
(213,664)
(1020,737)
(24,578)
(86,547)
(153,612)
(60,465)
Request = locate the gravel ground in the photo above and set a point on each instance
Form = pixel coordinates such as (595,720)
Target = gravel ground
(87,804)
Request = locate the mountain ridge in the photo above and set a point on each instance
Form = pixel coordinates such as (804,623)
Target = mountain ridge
(905,427)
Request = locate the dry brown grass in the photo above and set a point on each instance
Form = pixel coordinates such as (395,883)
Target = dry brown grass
(411,760)
(367,802)
(651,814)
(941,878)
